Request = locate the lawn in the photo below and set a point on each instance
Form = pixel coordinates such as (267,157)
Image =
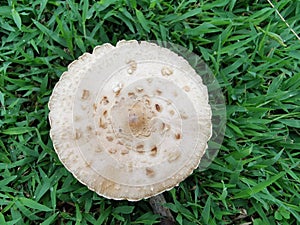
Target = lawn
(255,178)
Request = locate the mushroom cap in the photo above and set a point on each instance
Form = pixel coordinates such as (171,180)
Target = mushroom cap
(130,121)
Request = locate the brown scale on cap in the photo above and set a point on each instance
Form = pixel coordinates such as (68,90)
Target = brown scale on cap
(153,151)
(186,88)
(140,89)
(174,155)
(89,128)
(158,108)
(140,148)
(184,115)
(150,172)
(166,71)
(102,124)
(104,113)
(112,151)
(95,107)
(158,91)
(85,94)
(124,151)
(132,66)
(88,164)
(138,119)
(177,136)
(110,138)
(104,100)
(77,134)
(131,95)
(77,118)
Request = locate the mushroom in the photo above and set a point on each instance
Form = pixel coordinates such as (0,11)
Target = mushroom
(130,121)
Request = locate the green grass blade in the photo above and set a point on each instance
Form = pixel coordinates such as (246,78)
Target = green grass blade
(259,187)
(33,204)
(16,17)
(141,18)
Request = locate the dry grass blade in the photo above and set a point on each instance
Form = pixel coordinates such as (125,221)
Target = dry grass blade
(282,18)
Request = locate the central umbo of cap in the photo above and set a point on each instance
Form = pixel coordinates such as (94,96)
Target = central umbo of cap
(130,121)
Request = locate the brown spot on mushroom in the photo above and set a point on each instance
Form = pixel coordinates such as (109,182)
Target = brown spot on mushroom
(124,151)
(177,136)
(104,113)
(106,185)
(109,138)
(138,120)
(158,108)
(83,107)
(153,151)
(173,156)
(140,89)
(158,91)
(112,151)
(168,126)
(132,66)
(85,94)
(147,101)
(186,88)
(129,167)
(77,118)
(166,71)
(131,94)
(163,126)
(102,124)
(104,100)
(117,89)
(87,164)
(95,106)
(77,134)
(98,149)
(117,93)
(149,172)
(184,115)
(140,148)
(89,128)
(172,112)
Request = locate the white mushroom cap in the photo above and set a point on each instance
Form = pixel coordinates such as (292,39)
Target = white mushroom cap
(130,121)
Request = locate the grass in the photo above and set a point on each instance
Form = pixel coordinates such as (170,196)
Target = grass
(255,179)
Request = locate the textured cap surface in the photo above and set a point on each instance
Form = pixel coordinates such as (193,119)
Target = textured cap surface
(130,121)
